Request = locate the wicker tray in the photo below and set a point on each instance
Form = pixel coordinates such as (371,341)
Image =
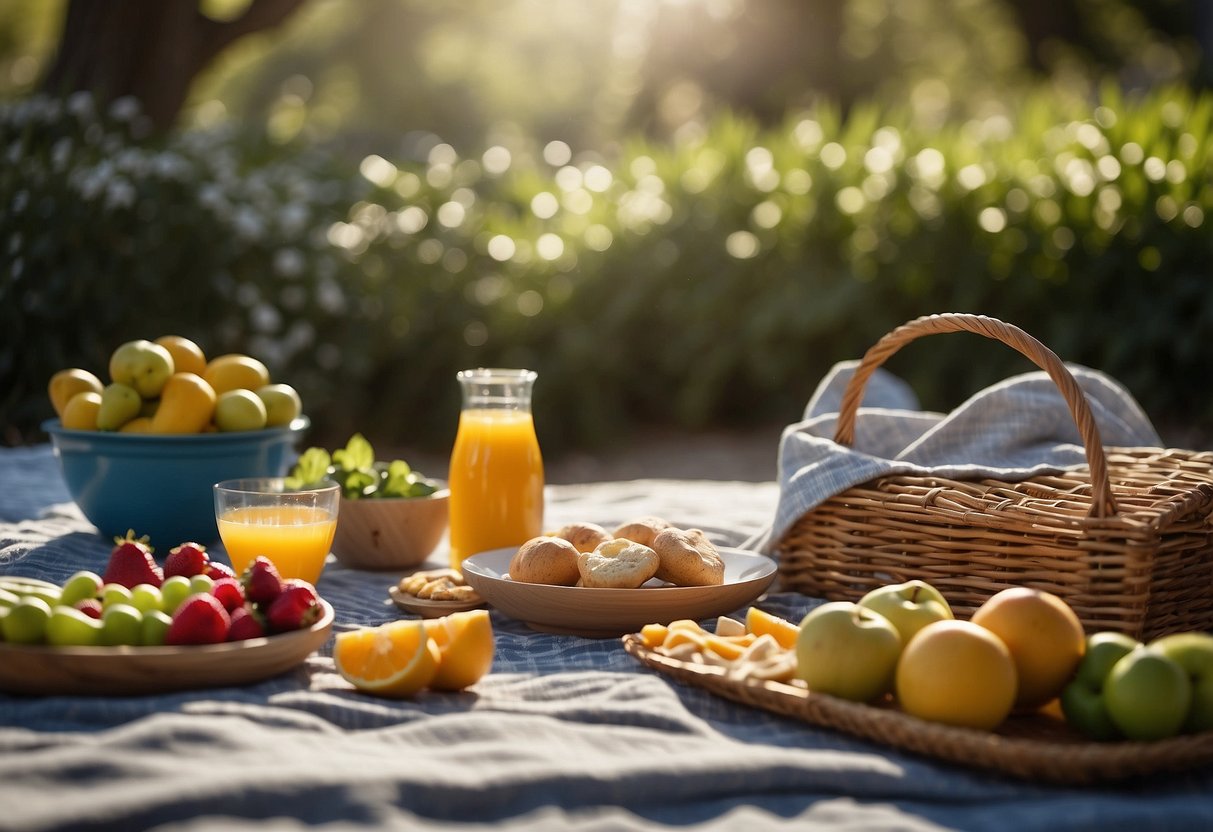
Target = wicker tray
(1034,747)
(1126,541)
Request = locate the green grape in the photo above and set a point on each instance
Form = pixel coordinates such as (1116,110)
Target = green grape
(69,627)
(82,585)
(173,591)
(26,621)
(114,594)
(145,597)
(154,628)
(121,624)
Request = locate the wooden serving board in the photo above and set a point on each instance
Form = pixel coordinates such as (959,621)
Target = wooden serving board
(119,671)
(1036,747)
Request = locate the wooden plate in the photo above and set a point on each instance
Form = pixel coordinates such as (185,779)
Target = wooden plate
(1038,746)
(427,608)
(115,671)
(605,613)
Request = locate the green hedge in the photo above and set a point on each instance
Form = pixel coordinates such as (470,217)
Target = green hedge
(711,281)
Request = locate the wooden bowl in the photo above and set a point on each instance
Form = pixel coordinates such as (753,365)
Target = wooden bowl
(390,533)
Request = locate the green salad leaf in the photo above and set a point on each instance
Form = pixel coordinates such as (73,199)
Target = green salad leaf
(359,474)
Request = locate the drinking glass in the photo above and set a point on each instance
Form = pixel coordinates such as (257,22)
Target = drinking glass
(291,527)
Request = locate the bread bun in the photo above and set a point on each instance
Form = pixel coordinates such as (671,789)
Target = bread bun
(584,536)
(688,558)
(545,560)
(618,564)
(643,530)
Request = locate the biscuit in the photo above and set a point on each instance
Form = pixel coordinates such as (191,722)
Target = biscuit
(642,531)
(545,560)
(688,558)
(618,564)
(584,536)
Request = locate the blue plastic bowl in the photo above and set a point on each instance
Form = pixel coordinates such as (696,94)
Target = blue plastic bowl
(161,485)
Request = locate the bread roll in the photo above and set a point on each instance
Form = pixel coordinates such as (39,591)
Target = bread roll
(584,536)
(688,558)
(618,564)
(545,560)
(642,531)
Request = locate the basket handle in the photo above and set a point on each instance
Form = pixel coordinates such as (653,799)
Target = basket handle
(1044,358)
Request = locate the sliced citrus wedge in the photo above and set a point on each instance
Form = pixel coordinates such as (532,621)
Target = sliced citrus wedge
(396,659)
(465,644)
(783,631)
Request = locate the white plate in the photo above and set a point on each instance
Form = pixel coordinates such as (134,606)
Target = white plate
(603,613)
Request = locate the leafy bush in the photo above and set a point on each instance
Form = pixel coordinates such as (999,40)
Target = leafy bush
(709,281)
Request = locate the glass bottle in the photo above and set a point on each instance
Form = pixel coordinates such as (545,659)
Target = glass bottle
(496,475)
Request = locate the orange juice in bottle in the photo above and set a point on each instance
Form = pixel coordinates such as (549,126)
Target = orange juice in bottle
(496,476)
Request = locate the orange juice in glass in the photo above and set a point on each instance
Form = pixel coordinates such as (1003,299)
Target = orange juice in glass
(293,528)
(496,475)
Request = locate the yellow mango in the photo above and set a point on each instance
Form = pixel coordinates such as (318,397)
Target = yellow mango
(140,424)
(67,383)
(235,371)
(187,404)
(81,411)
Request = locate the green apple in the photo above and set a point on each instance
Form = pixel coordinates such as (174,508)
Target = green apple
(282,404)
(68,627)
(239,410)
(1194,653)
(910,606)
(1082,699)
(119,404)
(84,584)
(142,365)
(1147,695)
(848,651)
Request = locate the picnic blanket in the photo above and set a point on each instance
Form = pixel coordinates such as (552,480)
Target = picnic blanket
(1013,430)
(564,733)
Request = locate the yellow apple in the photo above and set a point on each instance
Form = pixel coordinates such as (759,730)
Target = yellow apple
(142,365)
(239,410)
(282,404)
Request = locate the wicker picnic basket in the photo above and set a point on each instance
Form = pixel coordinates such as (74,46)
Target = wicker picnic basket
(1126,541)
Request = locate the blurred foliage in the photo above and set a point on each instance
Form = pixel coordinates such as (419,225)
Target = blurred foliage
(709,280)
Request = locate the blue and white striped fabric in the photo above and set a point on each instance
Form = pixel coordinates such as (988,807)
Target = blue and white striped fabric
(565,733)
(1013,430)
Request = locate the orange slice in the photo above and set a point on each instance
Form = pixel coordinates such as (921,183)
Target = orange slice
(763,623)
(396,659)
(465,645)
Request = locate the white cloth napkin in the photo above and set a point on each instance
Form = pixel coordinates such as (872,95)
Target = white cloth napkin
(1013,430)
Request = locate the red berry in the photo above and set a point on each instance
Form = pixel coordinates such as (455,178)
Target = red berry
(261,580)
(296,607)
(245,624)
(200,619)
(229,593)
(217,570)
(90,607)
(131,563)
(188,559)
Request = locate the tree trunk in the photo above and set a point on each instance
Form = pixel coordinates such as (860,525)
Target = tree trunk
(149,49)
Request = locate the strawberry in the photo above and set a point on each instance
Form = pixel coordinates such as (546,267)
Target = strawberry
(90,607)
(229,592)
(188,559)
(217,570)
(131,563)
(296,607)
(246,624)
(200,619)
(261,580)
